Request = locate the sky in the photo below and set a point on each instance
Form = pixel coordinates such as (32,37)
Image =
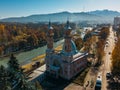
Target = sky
(20,8)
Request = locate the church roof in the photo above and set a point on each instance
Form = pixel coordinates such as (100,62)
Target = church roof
(73,47)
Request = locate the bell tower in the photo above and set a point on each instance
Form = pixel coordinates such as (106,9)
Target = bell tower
(49,50)
(50,35)
(67,37)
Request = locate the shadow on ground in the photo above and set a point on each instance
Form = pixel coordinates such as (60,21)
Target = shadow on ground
(50,83)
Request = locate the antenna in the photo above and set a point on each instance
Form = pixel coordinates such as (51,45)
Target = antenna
(83,8)
(67,18)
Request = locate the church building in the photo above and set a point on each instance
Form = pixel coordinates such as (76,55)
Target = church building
(66,63)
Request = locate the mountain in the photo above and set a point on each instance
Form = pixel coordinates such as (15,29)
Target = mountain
(97,16)
(106,14)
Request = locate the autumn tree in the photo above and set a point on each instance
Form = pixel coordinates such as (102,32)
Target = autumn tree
(1,50)
(87,36)
(104,33)
(19,36)
(100,51)
(79,43)
(2,34)
(90,44)
(116,60)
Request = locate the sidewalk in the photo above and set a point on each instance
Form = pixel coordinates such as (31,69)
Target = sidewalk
(73,86)
(90,79)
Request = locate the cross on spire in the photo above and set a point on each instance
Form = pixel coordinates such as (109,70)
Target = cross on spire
(68,25)
(50,26)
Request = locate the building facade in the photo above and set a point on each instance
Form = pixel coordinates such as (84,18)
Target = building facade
(66,63)
(116,22)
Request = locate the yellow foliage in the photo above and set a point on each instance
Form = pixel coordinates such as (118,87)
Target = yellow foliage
(38,86)
(58,48)
(79,43)
(116,58)
(1,50)
(39,57)
(2,27)
(27,67)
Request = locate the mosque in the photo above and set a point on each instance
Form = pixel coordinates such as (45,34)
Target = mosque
(66,63)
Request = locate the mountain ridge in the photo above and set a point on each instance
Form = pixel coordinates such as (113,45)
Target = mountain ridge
(97,15)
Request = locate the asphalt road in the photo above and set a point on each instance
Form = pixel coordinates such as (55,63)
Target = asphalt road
(106,67)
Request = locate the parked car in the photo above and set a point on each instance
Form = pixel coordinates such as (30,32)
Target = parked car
(108,75)
(98,82)
(109,53)
(98,85)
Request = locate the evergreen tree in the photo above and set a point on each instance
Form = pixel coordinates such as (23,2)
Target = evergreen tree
(18,79)
(4,83)
(13,68)
(13,63)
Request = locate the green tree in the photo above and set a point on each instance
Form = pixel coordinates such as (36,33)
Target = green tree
(4,83)
(13,63)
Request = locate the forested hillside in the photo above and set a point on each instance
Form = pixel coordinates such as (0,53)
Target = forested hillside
(17,36)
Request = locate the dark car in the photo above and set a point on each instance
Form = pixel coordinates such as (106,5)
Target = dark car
(109,53)
(108,75)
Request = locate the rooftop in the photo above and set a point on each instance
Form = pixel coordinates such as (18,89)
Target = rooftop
(39,71)
(78,56)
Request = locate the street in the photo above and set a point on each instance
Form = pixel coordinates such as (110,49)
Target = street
(106,67)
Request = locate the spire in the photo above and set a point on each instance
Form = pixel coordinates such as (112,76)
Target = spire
(68,25)
(50,26)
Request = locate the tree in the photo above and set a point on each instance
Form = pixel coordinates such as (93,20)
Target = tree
(116,60)
(2,27)
(13,63)
(4,83)
(87,36)
(104,33)
(79,43)
(1,50)
(38,86)
(16,75)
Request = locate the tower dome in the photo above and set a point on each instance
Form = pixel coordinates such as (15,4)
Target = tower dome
(73,47)
(69,47)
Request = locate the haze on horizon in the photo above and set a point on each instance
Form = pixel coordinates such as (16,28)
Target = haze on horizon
(19,8)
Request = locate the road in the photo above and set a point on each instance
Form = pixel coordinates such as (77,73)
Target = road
(106,67)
